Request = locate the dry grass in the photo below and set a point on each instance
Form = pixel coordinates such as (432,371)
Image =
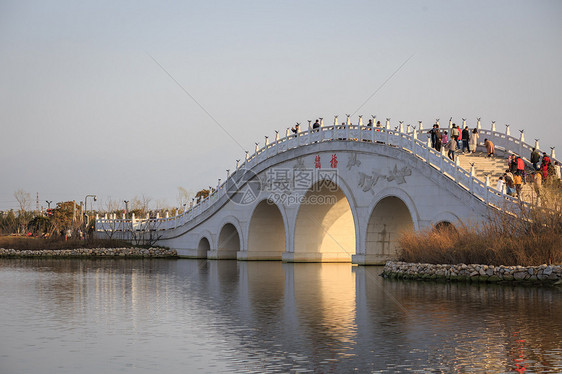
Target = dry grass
(526,236)
(30,243)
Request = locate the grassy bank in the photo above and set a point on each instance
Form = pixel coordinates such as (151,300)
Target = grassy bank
(30,243)
(525,236)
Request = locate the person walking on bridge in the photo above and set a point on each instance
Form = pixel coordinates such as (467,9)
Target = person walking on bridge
(474,140)
(535,158)
(489,147)
(465,139)
(451,147)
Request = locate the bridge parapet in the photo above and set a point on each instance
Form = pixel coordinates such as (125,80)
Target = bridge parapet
(412,141)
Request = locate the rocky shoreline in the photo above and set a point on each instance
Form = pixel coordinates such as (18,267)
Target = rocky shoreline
(542,274)
(92,252)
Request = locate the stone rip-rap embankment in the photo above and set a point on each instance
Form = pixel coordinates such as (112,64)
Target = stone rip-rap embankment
(542,274)
(91,252)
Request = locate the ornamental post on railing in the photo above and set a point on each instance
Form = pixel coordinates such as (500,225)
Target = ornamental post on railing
(335,121)
(321,122)
(387,129)
(428,147)
(537,144)
(457,165)
(521,142)
(441,158)
(408,128)
(463,123)
(247,156)
(401,127)
(158,215)
(414,138)
(347,125)
(421,126)
(257,149)
(104,217)
(360,122)
(552,153)
(348,121)
(487,184)
(287,133)
(507,135)
(472,176)
(309,137)
(493,128)
(478,126)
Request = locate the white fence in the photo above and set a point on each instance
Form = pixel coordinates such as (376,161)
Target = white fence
(412,140)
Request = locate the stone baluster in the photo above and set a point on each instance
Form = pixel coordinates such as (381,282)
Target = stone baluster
(478,125)
(421,126)
(348,120)
(507,135)
(552,153)
(237,164)
(387,129)
(218,185)
(257,148)
(457,165)
(360,121)
(335,121)
(428,149)
(321,122)
(247,156)
(287,133)
(487,185)
(123,215)
(401,127)
(266,140)
(408,128)
(472,176)
(493,128)
(227,174)
(521,142)
(537,144)
(414,138)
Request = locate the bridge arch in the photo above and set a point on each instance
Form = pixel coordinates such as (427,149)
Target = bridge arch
(204,246)
(229,240)
(325,226)
(267,233)
(392,213)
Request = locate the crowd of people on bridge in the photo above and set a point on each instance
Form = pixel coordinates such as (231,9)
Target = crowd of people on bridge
(543,172)
(461,140)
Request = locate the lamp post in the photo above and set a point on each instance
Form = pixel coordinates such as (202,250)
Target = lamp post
(49,203)
(126,207)
(86,208)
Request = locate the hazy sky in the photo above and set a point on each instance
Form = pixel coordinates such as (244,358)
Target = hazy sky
(84,109)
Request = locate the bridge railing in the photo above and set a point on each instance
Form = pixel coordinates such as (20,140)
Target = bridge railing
(415,141)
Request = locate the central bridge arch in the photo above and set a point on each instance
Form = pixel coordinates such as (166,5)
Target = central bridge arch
(324,227)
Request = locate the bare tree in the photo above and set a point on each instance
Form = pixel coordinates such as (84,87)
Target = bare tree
(24,200)
(184,197)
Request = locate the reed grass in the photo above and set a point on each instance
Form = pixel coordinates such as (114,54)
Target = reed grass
(527,236)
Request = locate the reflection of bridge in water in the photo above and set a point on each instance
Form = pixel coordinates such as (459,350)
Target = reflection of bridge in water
(338,193)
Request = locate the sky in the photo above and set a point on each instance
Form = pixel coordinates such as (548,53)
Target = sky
(125,99)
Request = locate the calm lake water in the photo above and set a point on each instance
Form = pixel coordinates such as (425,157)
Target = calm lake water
(198,316)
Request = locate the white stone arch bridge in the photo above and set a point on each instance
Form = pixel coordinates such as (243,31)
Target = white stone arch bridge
(339,193)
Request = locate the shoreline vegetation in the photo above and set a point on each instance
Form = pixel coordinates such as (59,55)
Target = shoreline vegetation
(18,246)
(525,235)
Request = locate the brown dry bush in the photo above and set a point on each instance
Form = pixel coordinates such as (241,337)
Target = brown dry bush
(522,235)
